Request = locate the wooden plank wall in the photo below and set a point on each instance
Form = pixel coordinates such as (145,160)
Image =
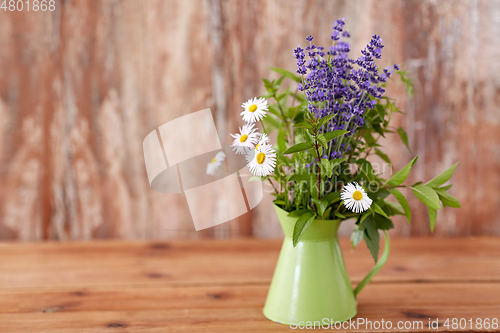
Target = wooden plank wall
(82,86)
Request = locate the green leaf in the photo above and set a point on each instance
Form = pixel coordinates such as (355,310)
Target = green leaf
(337,161)
(303,124)
(380,110)
(407,82)
(327,166)
(314,153)
(283,100)
(383,156)
(356,236)
(301,98)
(427,195)
(379,129)
(363,217)
(442,178)
(325,119)
(329,136)
(325,203)
(327,213)
(379,210)
(320,205)
(392,208)
(432,217)
(297,213)
(269,85)
(292,111)
(404,137)
(298,147)
(381,193)
(273,108)
(309,116)
(446,188)
(366,168)
(447,199)
(280,80)
(371,236)
(383,223)
(332,197)
(369,139)
(301,226)
(271,122)
(392,106)
(284,159)
(340,215)
(309,137)
(400,176)
(282,95)
(322,140)
(286,73)
(402,200)
(281,140)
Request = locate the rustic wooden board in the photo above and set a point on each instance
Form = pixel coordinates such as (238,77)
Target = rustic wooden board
(221,286)
(150,298)
(232,261)
(82,86)
(226,308)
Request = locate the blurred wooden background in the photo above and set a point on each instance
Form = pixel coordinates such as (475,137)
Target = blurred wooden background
(82,86)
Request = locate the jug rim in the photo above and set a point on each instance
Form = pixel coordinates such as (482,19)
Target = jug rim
(319,229)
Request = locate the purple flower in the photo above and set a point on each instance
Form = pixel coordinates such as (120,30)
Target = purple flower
(336,154)
(336,84)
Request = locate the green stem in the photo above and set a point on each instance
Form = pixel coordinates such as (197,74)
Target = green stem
(263,127)
(352,148)
(370,149)
(394,186)
(319,169)
(281,171)
(275,190)
(281,110)
(338,207)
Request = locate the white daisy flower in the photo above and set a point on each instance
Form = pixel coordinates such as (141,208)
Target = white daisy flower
(262,161)
(246,139)
(355,198)
(264,138)
(215,163)
(255,109)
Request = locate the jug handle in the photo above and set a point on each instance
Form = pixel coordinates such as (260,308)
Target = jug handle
(377,267)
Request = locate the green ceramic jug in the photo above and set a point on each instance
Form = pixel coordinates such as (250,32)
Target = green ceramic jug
(310,282)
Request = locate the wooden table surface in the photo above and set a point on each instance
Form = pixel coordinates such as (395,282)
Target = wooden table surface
(221,286)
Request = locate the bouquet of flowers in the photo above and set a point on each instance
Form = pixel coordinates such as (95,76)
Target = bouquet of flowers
(327,127)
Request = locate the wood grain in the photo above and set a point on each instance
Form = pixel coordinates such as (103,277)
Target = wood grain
(221,286)
(227,308)
(177,263)
(82,86)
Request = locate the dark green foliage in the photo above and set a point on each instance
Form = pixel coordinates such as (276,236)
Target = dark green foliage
(309,185)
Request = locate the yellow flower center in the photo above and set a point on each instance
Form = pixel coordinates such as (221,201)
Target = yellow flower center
(252,108)
(213,160)
(257,147)
(261,157)
(243,138)
(357,195)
